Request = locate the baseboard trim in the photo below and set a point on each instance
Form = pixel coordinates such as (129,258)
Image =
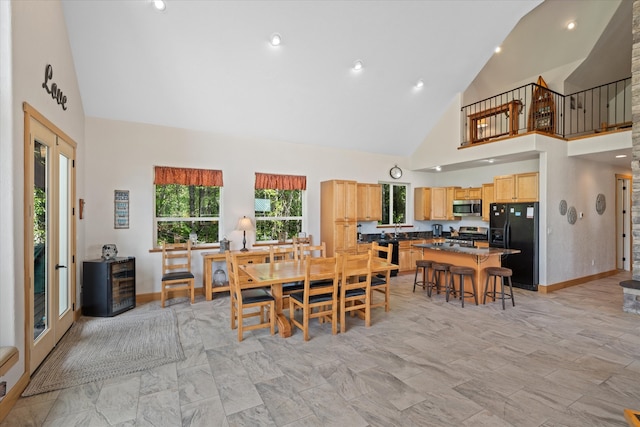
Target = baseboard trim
(12,397)
(574,282)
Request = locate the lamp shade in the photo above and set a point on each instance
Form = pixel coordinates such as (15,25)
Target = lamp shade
(245,224)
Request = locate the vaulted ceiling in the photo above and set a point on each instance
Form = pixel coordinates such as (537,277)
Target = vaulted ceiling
(208,65)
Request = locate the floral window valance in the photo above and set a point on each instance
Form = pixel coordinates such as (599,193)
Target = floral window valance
(280,182)
(187,176)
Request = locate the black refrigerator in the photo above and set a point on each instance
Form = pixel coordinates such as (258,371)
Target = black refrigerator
(515,226)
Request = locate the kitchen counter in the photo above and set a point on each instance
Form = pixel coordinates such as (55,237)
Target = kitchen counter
(476,258)
(455,248)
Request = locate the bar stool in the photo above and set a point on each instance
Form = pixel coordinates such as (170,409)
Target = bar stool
(462,272)
(496,272)
(424,265)
(439,269)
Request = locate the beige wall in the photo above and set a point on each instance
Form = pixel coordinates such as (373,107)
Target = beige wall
(37,37)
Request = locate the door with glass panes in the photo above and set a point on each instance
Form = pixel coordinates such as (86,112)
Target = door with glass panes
(49,235)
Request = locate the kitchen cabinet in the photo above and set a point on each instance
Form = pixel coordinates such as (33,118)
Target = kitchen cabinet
(488,197)
(516,188)
(338,216)
(369,202)
(471,193)
(434,203)
(408,255)
(421,203)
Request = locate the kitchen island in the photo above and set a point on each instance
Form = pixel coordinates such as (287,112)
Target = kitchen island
(476,258)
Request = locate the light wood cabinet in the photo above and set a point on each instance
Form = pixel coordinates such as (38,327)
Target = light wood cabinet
(471,193)
(422,203)
(488,197)
(369,206)
(338,223)
(434,203)
(516,188)
(408,255)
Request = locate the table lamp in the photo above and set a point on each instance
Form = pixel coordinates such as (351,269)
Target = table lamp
(244,224)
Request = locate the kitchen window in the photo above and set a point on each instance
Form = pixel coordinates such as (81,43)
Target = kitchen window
(394,203)
(279,206)
(187,205)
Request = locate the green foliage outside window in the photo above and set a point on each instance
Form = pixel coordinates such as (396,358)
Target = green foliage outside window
(185,209)
(394,204)
(278,211)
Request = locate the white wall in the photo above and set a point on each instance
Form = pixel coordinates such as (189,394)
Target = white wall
(37,37)
(121,155)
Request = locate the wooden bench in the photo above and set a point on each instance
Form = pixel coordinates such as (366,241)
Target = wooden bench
(8,358)
(512,108)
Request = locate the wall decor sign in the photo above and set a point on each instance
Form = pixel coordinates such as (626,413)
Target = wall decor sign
(52,88)
(121,209)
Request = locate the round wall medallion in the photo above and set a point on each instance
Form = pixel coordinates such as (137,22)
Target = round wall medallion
(601,204)
(563,207)
(572,215)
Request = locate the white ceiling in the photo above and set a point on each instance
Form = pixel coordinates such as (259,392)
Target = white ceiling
(207,65)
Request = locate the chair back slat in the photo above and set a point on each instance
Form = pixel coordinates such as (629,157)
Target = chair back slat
(282,253)
(176,257)
(314,251)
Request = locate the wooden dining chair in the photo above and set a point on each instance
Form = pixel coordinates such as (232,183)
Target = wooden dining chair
(312,251)
(245,300)
(317,301)
(282,253)
(176,270)
(355,287)
(380,281)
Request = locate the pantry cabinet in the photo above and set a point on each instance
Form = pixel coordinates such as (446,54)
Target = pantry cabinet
(516,188)
(488,197)
(338,213)
(369,202)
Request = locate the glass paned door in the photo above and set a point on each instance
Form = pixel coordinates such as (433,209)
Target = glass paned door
(50,242)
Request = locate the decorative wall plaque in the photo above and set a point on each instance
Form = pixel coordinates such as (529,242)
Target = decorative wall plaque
(572,215)
(563,207)
(121,209)
(601,204)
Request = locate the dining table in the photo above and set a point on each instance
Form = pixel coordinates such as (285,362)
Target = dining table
(279,273)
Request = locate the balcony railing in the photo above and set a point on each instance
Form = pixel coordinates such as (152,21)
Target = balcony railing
(536,108)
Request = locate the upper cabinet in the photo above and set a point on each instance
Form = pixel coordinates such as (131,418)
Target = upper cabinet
(471,193)
(435,203)
(340,198)
(516,188)
(369,202)
(488,197)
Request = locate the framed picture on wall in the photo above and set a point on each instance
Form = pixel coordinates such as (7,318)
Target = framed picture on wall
(121,209)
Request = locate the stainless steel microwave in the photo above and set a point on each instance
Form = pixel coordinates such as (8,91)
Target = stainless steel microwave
(467,208)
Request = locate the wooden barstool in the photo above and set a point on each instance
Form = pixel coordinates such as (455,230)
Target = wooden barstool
(424,265)
(496,272)
(462,272)
(439,269)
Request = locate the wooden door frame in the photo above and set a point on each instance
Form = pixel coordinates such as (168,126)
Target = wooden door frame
(31,113)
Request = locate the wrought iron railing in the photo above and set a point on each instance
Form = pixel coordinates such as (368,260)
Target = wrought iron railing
(536,108)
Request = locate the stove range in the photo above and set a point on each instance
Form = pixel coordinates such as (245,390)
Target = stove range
(467,235)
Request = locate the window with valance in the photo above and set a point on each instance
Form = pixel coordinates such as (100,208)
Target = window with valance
(279,206)
(187,204)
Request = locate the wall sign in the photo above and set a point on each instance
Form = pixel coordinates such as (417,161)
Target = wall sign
(52,88)
(121,209)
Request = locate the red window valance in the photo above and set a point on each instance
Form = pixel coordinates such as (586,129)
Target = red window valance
(280,182)
(186,176)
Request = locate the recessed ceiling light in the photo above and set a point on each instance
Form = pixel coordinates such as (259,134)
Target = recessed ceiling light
(498,49)
(419,84)
(571,25)
(358,65)
(160,5)
(275,40)
(621,156)
(438,168)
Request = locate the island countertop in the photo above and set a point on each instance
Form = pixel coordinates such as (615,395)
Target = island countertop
(456,248)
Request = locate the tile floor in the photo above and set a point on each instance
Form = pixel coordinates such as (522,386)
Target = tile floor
(570,358)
